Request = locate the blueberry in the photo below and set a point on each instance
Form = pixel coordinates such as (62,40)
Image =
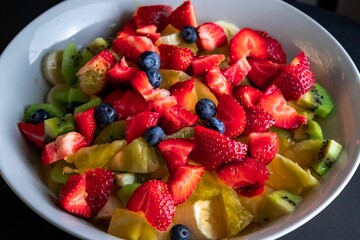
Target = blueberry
(105,114)
(189,34)
(205,108)
(179,232)
(154,135)
(215,124)
(149,60)
(154,77)
(39,116)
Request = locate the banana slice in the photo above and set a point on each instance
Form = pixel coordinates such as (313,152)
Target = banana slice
(51,67)
(229,28)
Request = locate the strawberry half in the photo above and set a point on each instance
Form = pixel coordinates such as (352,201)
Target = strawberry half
(129,29)
(202,64)
(136,126)
(174,57)
(297,78)
(175,152)
(152,14)
(113,98)
(232,114)
(149,31)
(217,82)
(185,93)
(161,100)
(210,36)
(274,48)
(236,72)
(33,132)
(273,102)
(155,201)
(183,183)
(213,149)
(182,16)
(263,146)
(173,119)
(257,120)
(120,75)
(86,124)
(246,95)
(141,84)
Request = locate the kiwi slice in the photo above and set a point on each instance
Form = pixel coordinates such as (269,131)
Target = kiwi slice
(309,130)
(326,157)
(91,103)
(70,63)
(186,132)
(126,191)
(56,126)
(279,203)
(76,97)
(317,100)
(97,45)
(113,131)
(85,56)
(58,96)
(52,109)
(58,174)
(51,67)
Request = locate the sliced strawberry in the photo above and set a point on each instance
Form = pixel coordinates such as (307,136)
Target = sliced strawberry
(257,120)
(263,146)
(169,122)
(34,132)
(63,146)
(232,114)
(213,149)
(274,48)
(247,43)
(245,173)
(149,31)
(182,16)
(129,29)
(152,15)
(297,78)
(175,152)
(133,46)
(202,64)
(92,76)
(186,117)
(120,75)
(161,100)
(174,57)
(236,72)
(183,183)
(86,124)
(263,72)
(246,95)
(185,93)
(211,36)
(114,97)
(137,125)
(155,201)
(141,84)
(274,103)
(217,82)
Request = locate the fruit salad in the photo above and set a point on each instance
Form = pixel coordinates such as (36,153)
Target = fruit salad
(179,129)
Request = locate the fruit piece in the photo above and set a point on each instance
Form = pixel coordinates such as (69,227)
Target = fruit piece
(174,57)
(136,126)
(161,100)
(170,77)
(58,174)
(179,232)
(93,102)
(39,116)
(185,132)
(185,93)
(279,203)
(58,125)
(104,114)
(182,16)
(86,124)
(70,63)
(203,91)
(257,120)
(58,96)
(148,60)
(210,36)
(205,108)
(124,178)
(120,74)
(309,130)
(64,145)
(215,124)
(213,148)
(154,135)
(297,181)
(274,48)
(98,45)
(263,146)
(247,43)
(129,29)
(126,191)
(183,182)
(232,114)
(152,14)
(75,98)
(51,67)
(317,100)
(236,72)
(169,122)
(217,82)
(140,83)
(229,28)
(154,200)
(53,111)
(106,212)
(33,132)
(247,96)
(274,103)
(297,78)
(189,34)
(202,64)
(92,76)
(263,72)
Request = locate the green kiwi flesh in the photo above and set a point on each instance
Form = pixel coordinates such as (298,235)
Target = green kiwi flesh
(97,45)
(91,103)
(186,132)
(52,109)
(70,63)
(59,125)
(113,131)
(76,97)
(58,96)
(309,130)
(126,191)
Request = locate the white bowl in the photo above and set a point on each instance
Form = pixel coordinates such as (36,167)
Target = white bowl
(82,20)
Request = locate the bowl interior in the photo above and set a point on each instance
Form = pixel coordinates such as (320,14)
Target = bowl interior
(81,21)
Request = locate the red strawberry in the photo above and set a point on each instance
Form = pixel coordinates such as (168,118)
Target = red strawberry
(169,122)
(141,84)
(63,146)
(92,76)
(217,82)
(245,173)
(186,117)
(174,57)
(175,152)
(183,183)
(263,146)
(152,14)
(263,72)
(34,132)
(120,75)
(155,201)
(211,36)
(247,43)
(149,31)
(86,124)
(185,93)
(232,114)
(274,103)
(246,95)
(257,120)
(236,72)
(182,16)
(202,64)
(129,29)
(113,98)
(274,48)
(161,100)
(213,149)
(131,47)
(137,125)
(297,78)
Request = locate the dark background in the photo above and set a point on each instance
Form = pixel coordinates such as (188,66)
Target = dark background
(340,220)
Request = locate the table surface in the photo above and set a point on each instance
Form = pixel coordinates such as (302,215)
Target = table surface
(340,220)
